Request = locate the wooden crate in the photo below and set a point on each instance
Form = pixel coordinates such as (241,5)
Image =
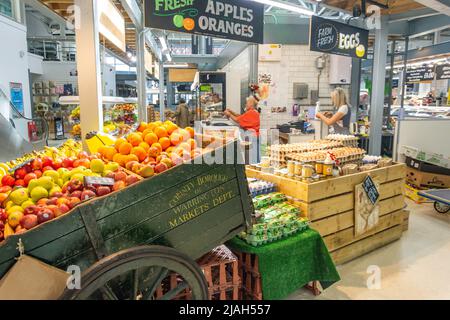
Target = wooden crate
(329,205)
(405,220)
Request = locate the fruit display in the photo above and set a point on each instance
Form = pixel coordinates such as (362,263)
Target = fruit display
(124,113)
(275,218)
(153,148)
(49,186)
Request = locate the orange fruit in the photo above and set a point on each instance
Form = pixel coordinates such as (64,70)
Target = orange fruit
(157,146)
(186,146)
(3,197)
(164,142)
(125,148)
(170,126)
(170,149)
(109,153)
(189,24)
(161,132)
(191,131)
(145,146)
(158,123)
(135,139)
(142,126)
(192,143)
(119,142)
(140,153)
(176,139)
(120,159)
(151,126)
(146,132)
(151,138)
(184,133)
(131,157)
(153,152)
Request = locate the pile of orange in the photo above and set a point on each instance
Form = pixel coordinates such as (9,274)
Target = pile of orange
(153,143)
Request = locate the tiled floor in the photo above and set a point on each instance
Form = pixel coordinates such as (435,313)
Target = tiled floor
(415,267)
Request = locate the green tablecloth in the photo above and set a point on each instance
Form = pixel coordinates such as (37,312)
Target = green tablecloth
(289,264)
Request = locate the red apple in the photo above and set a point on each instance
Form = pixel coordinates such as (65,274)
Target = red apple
(103,191)
(37,164)
(161,167)
(76,194)
(57,165)
(120,176)
(67,163)
(8,181)
(29,221)
(20,183)
(119,185)
(62,200)
(83,155)
(47,162)
(42,202)
(29,177)
(131,180)
(64,208)
(47,168)
(38,173)
(45,215)
(52,201)
(20,173)
(28,168)
(5,189)
(56,211)
(3,215)
(87,194)
(31,210)
(74,185)
(74,202)
(2,226)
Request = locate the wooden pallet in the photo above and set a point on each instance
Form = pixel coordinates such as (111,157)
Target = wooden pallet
(329,205)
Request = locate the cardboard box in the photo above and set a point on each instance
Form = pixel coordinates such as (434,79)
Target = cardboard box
(426,167)
(427,179)
(31,279)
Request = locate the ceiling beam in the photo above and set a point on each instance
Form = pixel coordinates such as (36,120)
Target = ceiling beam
(134,12)
(436,5)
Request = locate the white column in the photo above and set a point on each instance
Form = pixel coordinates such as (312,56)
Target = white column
(162,107)
(89,67)
(141,75)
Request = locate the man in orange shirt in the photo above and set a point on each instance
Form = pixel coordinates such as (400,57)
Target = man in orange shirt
(250,122)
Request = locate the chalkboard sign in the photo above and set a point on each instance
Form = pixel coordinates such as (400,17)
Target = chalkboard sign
(337,38)
(371,190)
(418,74)
(100,181)
(240,20)
(443,71)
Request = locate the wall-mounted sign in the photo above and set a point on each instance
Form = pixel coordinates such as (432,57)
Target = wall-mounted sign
(443,71)
(270,52)
(337,38)
(418,74)
(240,20)
(16,93)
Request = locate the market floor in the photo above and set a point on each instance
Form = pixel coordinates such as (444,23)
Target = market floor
(414,267)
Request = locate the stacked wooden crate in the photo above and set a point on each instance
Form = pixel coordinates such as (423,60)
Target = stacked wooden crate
(329,205)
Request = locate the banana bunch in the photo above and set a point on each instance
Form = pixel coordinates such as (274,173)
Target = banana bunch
(4,169)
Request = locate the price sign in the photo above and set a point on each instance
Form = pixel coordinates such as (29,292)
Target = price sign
(420,74)
(371,190)
(98,181)
(443,71)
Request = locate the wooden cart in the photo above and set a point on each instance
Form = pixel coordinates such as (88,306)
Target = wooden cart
(128,242)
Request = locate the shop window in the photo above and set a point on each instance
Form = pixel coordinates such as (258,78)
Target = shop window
(6,8)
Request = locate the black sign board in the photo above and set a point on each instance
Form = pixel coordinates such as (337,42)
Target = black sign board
(337,38)
(371,190)
(240,20)
(418,74)
(443,71)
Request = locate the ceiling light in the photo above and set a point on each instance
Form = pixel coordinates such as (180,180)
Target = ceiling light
(178,66)
(286,6)
(133,59)
(129,55)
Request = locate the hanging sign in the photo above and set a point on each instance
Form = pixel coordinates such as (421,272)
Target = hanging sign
(240,20)
(367,207)
(443,71)
(337,38)
(418,74)
(371,190)
(16,92)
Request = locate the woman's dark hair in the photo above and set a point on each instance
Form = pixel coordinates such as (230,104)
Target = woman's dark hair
(182,101)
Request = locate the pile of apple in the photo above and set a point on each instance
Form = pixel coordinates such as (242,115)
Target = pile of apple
(44,190)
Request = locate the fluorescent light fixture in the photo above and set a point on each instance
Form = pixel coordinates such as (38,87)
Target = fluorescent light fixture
(163,43)
(286,6)
(169,57)
(133,59)
(177,66)
(414,65)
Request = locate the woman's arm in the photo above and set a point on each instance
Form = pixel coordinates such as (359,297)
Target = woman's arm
(330,121)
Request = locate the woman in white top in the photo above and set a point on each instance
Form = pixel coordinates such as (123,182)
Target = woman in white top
(340,121)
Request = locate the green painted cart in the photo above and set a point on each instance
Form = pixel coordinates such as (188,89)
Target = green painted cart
(128,242)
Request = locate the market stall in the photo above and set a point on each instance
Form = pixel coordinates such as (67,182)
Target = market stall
(355,206)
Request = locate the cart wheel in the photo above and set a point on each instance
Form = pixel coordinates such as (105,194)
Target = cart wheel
(138,273)
(441,208)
